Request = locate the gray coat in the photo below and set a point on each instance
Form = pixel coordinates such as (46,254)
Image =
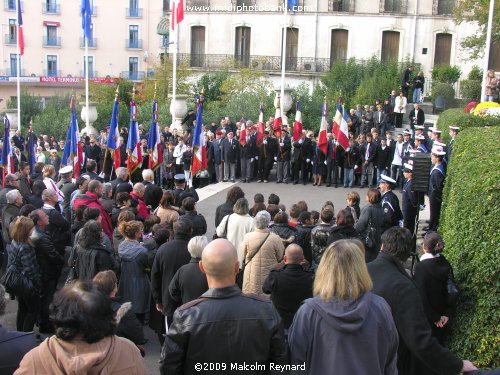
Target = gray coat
(134,283)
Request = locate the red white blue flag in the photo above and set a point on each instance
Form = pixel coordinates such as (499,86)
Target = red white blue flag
(154,143)
(340,127)
(260,127)
(20,34)
(73,151)
(199,144)
(297,124)
(7,160)
(243,132)
(134,151)
(113,142)
(278,121)
(322,141)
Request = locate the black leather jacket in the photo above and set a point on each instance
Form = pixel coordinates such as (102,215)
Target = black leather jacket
(227,327)
(49,259)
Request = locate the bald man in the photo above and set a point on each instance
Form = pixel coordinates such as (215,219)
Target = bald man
(223,327)
(290,285)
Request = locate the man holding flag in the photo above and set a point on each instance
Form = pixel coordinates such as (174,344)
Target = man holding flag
(199,145)
(7,159)
(340,127)
(73,154)
(154,144)
(113,143)
(134,150)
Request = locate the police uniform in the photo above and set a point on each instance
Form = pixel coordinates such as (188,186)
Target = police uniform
(436,185)
(410,205)
(179,194)
(392,211)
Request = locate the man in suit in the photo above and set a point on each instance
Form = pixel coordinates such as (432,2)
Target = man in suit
(417,116)
(247,153)
(267,152)
(217,149)
(297,158)
(283,156)
(333,156)
(368,154)
(380,120)
(405,80)
(230,154)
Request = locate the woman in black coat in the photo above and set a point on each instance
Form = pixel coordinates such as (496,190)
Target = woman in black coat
(282,229)
(431,276)
(226,208)
(371,219)
(345,227)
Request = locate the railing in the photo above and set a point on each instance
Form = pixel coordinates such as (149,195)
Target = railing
(52,73)
(92,74)
(133,76)
(11,6)
(134,12)
(133,43)
(12,73)
(51,8)
(10,39)
(341,5)
(52,42)
(394,6)
(197,3)
(92,43)
(443,7)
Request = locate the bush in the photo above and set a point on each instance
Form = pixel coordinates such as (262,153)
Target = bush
(446,74)
(445,90)
(469,225)
(457,116)
(476,74)
(470,90)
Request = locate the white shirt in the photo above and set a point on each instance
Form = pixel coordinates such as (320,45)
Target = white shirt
(398,154)
(40,158)
(178,151)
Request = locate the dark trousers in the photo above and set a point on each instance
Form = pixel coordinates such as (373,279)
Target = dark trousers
(48,290)
(409,219)
(332,172)
(28,310)
(399,120)
(435,208)
(296,167)
(265,165)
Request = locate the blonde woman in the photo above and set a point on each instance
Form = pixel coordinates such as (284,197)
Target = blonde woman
(491,86)
(344,328)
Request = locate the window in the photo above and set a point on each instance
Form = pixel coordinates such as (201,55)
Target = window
(197,46)
(11,5)
(494,61)
(242,45)
(442,49)
(292,47)
(341,5)
(338,51)
(133,68)
(134,11)
(52,66)
(445,7)
(133,36)
(12,37)
(390,46)
(394,6)
(89,65)
(166,6)
(51,6)
(13,64)
(52,36)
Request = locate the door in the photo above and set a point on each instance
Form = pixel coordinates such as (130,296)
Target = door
(390,46)
(89,65)
(242,45)
(494,62)
(52,35)
(197,46)
(13,64)
(52,65)
(133,67)
(12,31)
(338,51)
(134,8)
(133,34)
(292,48)
(442,50)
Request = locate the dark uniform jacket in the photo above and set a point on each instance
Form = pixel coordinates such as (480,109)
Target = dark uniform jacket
(203,331)
(392,212)
(352,157)
(13,346)
(180,194)
(230,150)
(416,118)
(436,183)
(383,158)
(152,194)
(372,152)
(285,151)
(67,187)
(249,150)
(49,259)
(288,287)
(391,282)
(409,203)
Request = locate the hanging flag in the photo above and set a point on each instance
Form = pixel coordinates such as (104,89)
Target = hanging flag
(20,34)
(340,127)
(154,144)
(260,127)
(277,117)
(86,12)
(199,145)
(73,153)
(243,132)
(177,8)
(113,142)
(297,124)
(31,149)
(134,150)
(322,141)
(7,160)
(293,5)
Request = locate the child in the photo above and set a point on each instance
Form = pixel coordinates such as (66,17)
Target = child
(187,160)
(353,204)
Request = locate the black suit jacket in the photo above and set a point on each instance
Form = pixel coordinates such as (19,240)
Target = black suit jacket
(372,152)
(152,194)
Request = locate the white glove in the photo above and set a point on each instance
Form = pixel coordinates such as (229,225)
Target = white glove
(275,158)
(336,143)
(348,149)
(300,141)
(282,144)
(325,162)
(265,142)
(312,162)
(251,160)
(355,167)
(308,160)
(256,158)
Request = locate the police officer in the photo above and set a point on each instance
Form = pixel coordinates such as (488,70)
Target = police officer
(453,134)
(436,185)
(180,192)
(390,203)
(409,200)
(420,144)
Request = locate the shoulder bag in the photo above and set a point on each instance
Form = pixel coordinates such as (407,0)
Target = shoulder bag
(254,254)
(73,273)
(16,281)
(370,233)
(215,236)
(452,289)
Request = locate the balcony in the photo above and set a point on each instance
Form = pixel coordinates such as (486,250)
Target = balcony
(393,6)
(92,74)
(133,13)
(52,42)
(52,73)
(443,7)
(10,39)
(197,3)
(341,5)
(11,6)
(133,43)
(92,43)
(51,8)
(133,76)
(12,73)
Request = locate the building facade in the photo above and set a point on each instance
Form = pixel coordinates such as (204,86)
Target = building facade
(221,33)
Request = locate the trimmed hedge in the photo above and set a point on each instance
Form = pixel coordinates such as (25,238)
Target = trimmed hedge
(457,116)
(470,225)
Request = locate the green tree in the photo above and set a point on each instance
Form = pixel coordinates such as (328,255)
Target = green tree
(477,11)
(55,117)
(31,107)
(211,83)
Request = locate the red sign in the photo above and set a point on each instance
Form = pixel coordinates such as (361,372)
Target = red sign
(75,80)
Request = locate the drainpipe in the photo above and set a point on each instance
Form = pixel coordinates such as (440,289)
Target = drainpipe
(413,41)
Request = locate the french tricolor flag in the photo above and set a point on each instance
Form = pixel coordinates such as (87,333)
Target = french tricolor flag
(154,142)
(297,124)
(243,132)
(113,142)
(20,28)
(322,141)
(7,160)
(134,151)
(177,8)
(278,121)
(199,145)
(260,127)
(340,127)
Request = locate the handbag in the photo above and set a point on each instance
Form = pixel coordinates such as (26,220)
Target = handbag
(73,273)
(254,254)
(16,282)
(452,289)
(215,236)
(370,234)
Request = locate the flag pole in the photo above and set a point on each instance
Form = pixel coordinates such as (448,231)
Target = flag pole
(86,61)
(283,54)
(487,51)
(174,68)
(18,74)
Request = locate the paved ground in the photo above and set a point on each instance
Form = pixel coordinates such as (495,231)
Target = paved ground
(212,196)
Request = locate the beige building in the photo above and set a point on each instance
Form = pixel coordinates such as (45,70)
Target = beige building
(215,33)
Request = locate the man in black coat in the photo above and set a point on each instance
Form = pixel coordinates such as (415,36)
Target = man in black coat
(436,186)
(283,157)
(406,80)
(290,285)
(67,187)
(390,203)
(248,151)
(267,151)
(333,161)
(171,256)
(416,116)
(383,159)
(230,155)
(418,352)
(409,201)
(58,227)
(180,192)
(153,193)
(368,157)
(224,327)
(198,222)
